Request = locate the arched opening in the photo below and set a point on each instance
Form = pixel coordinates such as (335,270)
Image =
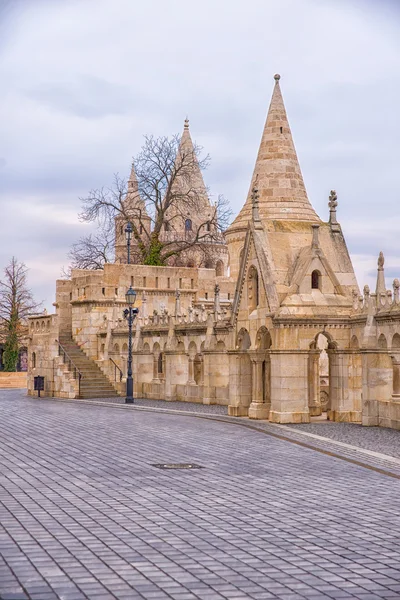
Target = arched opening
(125,349)
(382,342)
(354,345)
(396,341)
(33,360)
(188,225)
(319,376)
(219,268)
(116,348)
(209,264)
(315,280)
(243,341)
(252,289)
(263,339)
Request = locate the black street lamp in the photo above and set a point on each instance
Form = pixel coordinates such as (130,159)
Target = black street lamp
(130,313)
(128,235)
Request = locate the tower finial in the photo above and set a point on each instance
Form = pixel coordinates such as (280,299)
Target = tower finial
(380,282)
(186,123)
(277,77)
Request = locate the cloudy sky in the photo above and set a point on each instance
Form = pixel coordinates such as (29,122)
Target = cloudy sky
(83,80)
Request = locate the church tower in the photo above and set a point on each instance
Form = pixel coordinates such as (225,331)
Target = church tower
(136,213)
(184,220)
(294,237)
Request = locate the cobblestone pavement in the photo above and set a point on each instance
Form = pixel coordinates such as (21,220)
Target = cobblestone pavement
(84,514)
(379,439)
(195,407)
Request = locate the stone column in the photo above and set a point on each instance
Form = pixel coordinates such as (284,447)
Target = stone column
(176,372)
(258,409)
(342,399)
(396,378)
(314,402)
(289,386)
(191,380)
(215,377)
(240,386)
(377,381)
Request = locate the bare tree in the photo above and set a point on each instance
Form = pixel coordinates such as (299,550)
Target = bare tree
(92,251)
(170,188)
(16,304)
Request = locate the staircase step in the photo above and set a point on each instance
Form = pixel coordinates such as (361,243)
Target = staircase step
(94,384)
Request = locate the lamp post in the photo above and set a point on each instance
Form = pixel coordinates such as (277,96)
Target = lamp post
(130,313)
(128,235)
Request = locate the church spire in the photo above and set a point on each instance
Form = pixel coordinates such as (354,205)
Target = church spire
(281,187)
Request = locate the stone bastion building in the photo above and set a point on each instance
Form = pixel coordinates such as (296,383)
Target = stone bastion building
(281,332)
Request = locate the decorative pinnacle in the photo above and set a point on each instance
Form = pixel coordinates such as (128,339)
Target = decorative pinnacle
(186,123)
(277,77)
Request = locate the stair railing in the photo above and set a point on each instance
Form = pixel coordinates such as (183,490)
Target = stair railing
(71,365)
(116,367)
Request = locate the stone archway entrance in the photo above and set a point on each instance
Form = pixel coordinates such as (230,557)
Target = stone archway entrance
(261,376)
(319,375)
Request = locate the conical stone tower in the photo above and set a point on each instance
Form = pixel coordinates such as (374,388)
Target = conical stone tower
(282,193)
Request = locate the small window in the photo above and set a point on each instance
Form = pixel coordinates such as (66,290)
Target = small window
(116,291)
(168,282)
(180,283)
(156,282)
(131,280)
(144,281)
(122,230)
(192,284)
(188,225)
(70,295)
(33,360)
(229,296)
(281,129)
(315,280)
(206,295)
(208,226)
(103,291)
(160,364)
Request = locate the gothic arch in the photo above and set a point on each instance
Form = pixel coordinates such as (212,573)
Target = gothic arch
(382,342)
(396,341)
(116,348)
(354,344)
(316,280)
(146,348)
(243,341)
(192,350)
(263,339)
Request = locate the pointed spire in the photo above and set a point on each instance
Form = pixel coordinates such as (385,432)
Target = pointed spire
(380,282)
(282,192)
(186,147)
(133,200)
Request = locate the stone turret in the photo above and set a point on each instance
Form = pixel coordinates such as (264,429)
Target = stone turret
(185,219)
(135,210)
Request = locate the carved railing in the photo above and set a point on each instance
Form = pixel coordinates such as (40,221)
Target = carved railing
(72,367)
(116,368)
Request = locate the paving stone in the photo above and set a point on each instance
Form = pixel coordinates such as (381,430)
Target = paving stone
(85,515)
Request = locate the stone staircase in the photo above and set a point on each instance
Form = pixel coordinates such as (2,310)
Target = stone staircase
(94,384)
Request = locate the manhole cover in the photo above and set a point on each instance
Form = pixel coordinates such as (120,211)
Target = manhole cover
(178,466)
